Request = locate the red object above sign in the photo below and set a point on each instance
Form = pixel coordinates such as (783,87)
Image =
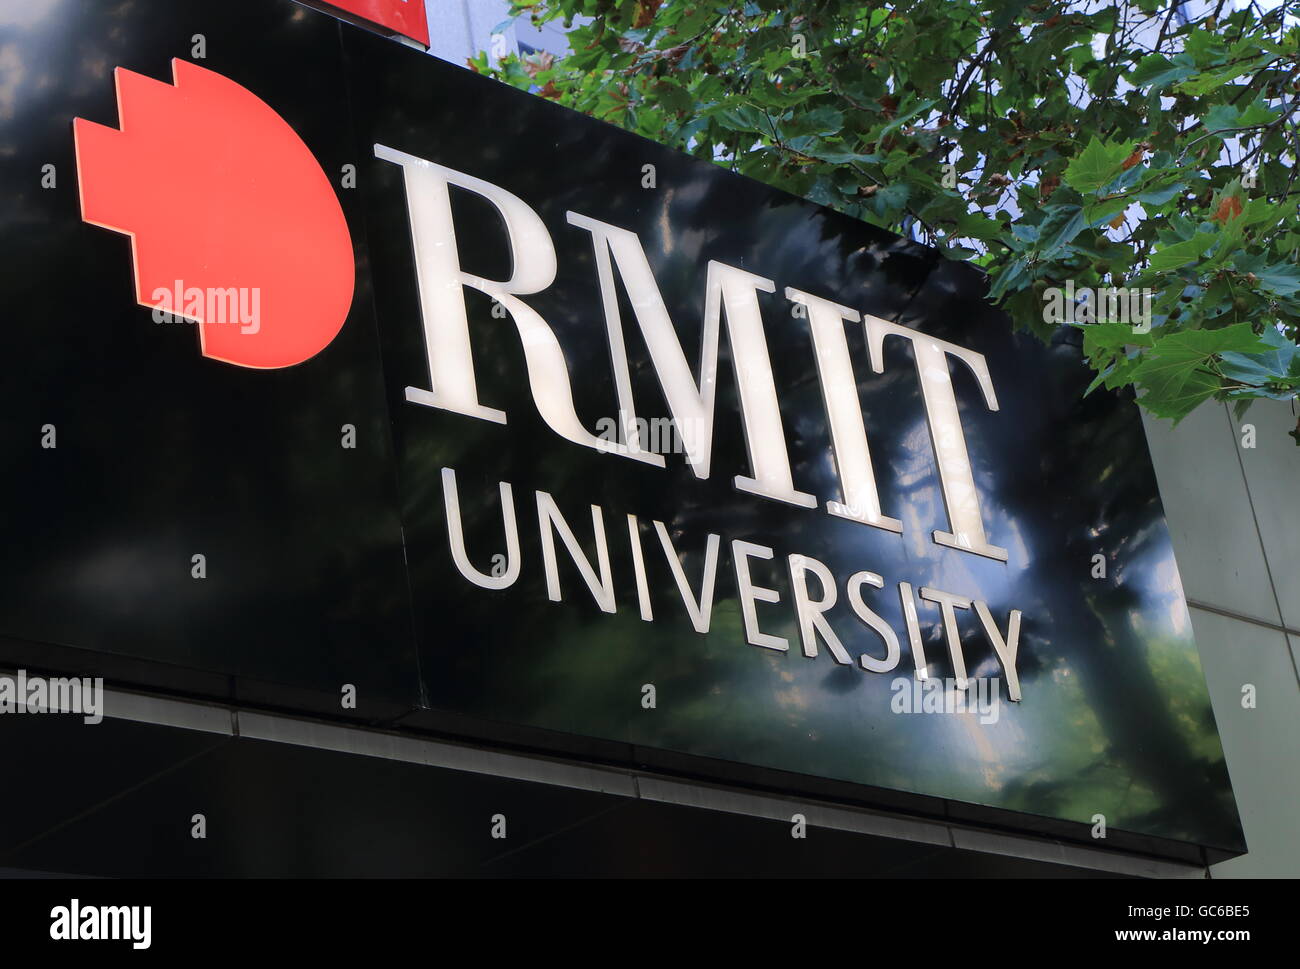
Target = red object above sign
(406,17)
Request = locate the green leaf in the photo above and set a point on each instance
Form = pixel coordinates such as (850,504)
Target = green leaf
(1102,337)
(1156,72)
(821,121)
(1257,113)
(1102,212)
(1282,278)
(1161,194)
(836,155)
(1271,365)
(1176,373)
(1205,48)
(1181,253)
(1114,350)
(1212,81)
(1009,279)
(1221,117)
(1058,229)
(907,111)
(1238,338)
(674,97)
(1174,388)
(1118,374)
(743,118)
(890,200)
(1263,212)
(1096,165)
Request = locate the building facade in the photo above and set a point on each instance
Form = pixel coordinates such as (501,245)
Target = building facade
(434,777)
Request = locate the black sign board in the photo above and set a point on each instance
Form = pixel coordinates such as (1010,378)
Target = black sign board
(612,452)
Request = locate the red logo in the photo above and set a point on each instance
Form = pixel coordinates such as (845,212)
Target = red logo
(232,222)
(402,16)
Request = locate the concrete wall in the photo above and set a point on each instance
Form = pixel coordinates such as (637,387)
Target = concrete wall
(1234,513)
(459,29)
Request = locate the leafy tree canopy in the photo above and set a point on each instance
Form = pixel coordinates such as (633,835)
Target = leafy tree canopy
(1129,145)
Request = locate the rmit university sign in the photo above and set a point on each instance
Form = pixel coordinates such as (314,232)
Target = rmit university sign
(348,367)
(731,293)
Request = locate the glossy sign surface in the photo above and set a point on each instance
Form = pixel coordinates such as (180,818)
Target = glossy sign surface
(126,451)
(395,566)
